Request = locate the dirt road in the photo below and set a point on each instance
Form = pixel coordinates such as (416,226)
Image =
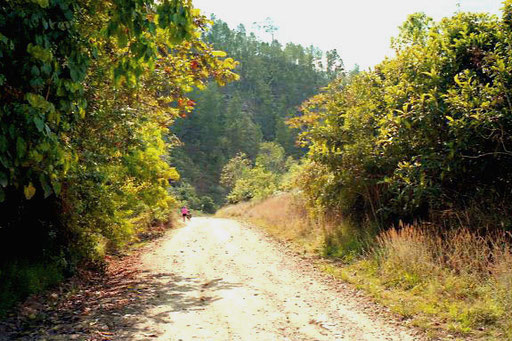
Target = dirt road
(213,279)
(219,280)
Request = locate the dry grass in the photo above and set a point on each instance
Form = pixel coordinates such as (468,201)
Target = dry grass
(283,215)
(455,282)
(461,252)
(286,217)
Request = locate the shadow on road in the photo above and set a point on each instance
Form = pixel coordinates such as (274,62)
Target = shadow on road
(113,305)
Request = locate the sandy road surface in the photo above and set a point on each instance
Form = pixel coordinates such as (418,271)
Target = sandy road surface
(220,280)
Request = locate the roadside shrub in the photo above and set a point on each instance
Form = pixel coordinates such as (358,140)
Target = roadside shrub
(208,205)
(425,132)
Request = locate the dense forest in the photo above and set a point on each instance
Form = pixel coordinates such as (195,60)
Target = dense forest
(237,118)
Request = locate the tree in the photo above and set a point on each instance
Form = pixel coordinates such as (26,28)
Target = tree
(268,26)
(414,31)
(46,49)
(247,182)
(334,64)
(235,169)
(241,133)
(271,157)
(89,90)
(424,132)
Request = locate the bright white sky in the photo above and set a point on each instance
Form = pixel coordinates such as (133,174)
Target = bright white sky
(359,29)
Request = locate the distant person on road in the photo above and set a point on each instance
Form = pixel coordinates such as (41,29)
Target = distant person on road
(185,213)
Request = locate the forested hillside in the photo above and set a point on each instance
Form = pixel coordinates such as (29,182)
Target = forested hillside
(274,81)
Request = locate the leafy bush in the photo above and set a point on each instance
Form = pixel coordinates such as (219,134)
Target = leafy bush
(257,183)
(235,169)
(186,194)
(427,132)
(208,205)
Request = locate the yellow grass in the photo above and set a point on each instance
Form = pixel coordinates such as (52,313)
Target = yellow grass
(283,215)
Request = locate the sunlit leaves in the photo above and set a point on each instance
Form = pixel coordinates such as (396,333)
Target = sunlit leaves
(219,53)
(36,87)
(424,130)
(42,54)
(42,3)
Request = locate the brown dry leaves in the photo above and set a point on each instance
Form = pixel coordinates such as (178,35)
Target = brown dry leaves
(90,306)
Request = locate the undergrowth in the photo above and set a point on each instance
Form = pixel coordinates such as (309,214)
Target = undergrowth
(20,279)
(284,216)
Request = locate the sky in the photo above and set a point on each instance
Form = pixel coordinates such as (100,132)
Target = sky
(360,30)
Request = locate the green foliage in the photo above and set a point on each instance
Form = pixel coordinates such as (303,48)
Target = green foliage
(42,65)
(257,182)
(271,157)
(234,170)
(414,31)
(46,48)
(88,91)
(186,194)
(425,132)
(345,241)
(208,205)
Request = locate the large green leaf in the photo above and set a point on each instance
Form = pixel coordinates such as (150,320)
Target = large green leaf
(46,187)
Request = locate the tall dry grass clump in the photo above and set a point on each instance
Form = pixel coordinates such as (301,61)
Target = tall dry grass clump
(460,277)
(460,251)
(409,249)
